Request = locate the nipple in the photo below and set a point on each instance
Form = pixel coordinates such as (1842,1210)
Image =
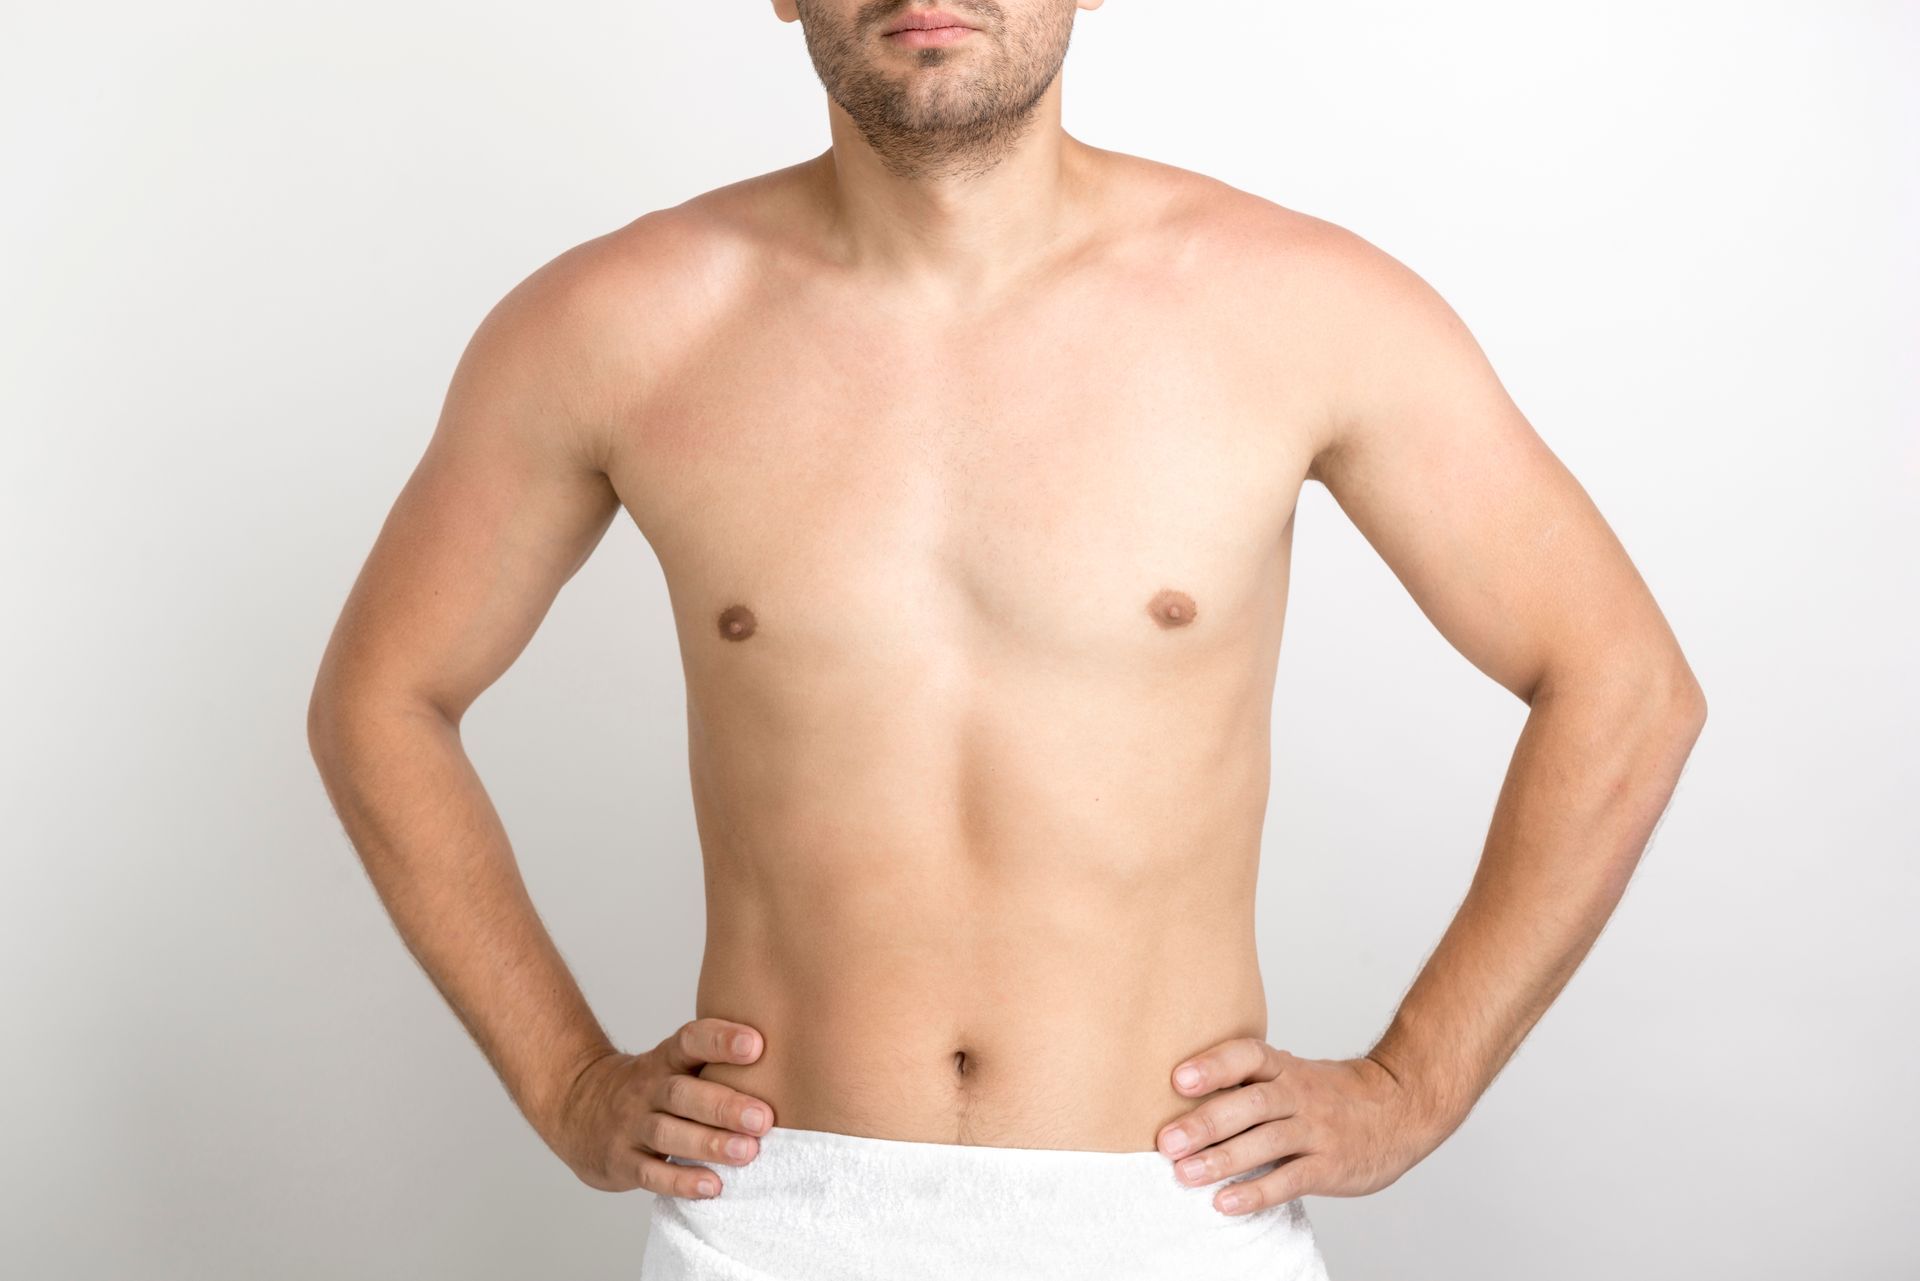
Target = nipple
(736,622)
(1171,608)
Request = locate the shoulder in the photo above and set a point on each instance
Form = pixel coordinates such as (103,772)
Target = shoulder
(1274,264)
(639,289)
(595,328)
(1368,330)
(1290,257)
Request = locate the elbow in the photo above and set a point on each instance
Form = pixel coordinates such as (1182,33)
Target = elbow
(1664,700)
(334,717)
(323,720)
(1684,701)
(347,720)
(1660,696)
(1692,709)
(1669,714)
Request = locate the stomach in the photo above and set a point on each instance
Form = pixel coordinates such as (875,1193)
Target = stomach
(1009,997)
(986,902)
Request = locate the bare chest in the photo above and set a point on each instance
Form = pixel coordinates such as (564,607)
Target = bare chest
(1080,482)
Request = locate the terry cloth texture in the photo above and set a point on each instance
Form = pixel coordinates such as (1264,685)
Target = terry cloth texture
(816,1205)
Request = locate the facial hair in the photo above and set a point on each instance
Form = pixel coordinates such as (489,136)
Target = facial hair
(957,121)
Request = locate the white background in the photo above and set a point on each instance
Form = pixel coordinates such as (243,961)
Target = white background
(243,247)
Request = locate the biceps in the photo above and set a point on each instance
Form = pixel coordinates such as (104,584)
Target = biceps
(1496,541)
(469,561)
(501,511)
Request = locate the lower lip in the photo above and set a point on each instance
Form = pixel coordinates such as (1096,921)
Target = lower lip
(929,37)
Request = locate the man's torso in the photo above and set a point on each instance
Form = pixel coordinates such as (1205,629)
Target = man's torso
(980,607)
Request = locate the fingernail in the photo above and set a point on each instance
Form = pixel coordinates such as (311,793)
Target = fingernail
(1232,1200)
(1188,1077)
(742,1043)
(738,1146)
(1176,1141)
(1193,1171)
(756,1119)
(708,1187)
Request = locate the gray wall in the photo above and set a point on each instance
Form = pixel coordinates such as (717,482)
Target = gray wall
(243,246)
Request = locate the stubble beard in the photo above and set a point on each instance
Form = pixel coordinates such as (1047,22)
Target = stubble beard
(938,123)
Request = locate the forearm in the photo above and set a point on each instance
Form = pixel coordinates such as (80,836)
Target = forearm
(437,854)
(1592,773)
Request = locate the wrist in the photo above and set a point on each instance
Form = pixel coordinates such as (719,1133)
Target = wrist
(1428,1113)
(549,1099)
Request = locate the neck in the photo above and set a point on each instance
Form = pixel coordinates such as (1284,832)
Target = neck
(958,216)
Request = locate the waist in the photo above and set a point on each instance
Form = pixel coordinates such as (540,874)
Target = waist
(820,1203)
(1026,1042)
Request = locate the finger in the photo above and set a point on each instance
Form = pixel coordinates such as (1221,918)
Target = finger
(710,1103)
(1293,1179)
(1244,1058)
(1228,1114)
(666,1135)
(711,1040)
(664,1179)
(1242,1152)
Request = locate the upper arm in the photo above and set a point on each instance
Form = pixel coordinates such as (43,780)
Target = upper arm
(508,500)
(1495,540)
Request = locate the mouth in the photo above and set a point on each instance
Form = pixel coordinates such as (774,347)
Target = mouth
(921,30)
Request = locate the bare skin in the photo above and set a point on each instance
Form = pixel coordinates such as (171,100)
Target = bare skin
(974,492)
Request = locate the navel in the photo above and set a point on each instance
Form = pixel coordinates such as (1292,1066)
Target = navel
(736,622)
(1171,608)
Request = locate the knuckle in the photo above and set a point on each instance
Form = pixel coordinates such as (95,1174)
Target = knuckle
(1289,1182)
(675,1094)
(1217,1161)
(1274,1139)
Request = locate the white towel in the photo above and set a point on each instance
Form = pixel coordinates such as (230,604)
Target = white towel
(815,1205)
